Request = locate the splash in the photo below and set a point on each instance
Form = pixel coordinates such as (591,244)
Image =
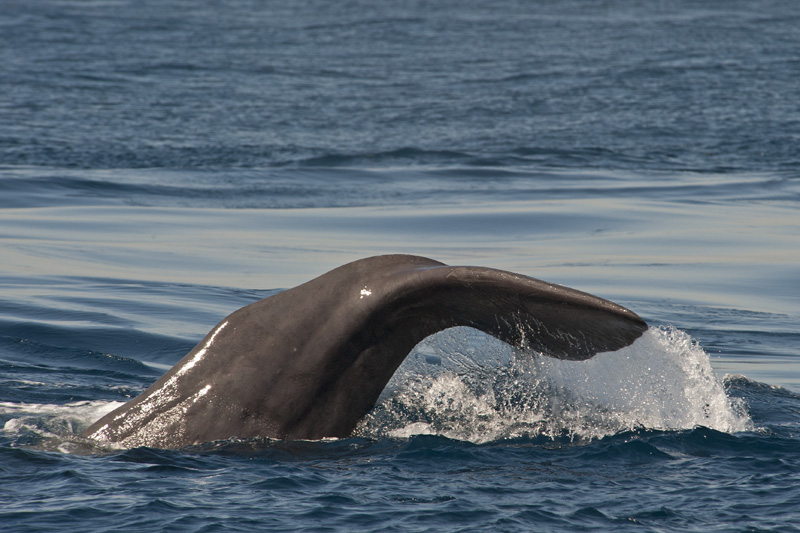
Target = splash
(465,385)
(52,427)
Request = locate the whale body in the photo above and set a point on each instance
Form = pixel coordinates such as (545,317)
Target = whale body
(311,361)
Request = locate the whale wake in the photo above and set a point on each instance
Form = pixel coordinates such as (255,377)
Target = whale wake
(465,385)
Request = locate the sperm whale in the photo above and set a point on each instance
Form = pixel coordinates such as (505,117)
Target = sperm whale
(311,361)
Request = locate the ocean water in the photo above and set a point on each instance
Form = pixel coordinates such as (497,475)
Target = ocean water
(165,163)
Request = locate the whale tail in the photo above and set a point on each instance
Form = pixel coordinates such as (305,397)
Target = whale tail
(311,361)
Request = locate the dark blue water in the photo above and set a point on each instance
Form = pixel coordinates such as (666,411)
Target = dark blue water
(165,163)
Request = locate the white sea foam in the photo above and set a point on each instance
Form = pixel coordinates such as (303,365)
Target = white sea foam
(52,426)
(465,385)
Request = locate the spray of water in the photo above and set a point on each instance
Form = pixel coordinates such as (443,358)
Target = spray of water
(465,385)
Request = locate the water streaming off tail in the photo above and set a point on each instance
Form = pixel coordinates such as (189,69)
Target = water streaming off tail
(465,385)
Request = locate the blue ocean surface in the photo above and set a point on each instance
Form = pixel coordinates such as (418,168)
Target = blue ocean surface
(164,163)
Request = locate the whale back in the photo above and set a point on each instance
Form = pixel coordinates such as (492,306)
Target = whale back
(311,361)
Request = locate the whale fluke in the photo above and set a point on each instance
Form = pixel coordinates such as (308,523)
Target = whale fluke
(311,361)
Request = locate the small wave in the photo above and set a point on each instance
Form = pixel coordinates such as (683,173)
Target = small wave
(408,156)
(463,385)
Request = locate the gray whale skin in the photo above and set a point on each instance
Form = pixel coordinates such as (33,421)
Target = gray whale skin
(309,362)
